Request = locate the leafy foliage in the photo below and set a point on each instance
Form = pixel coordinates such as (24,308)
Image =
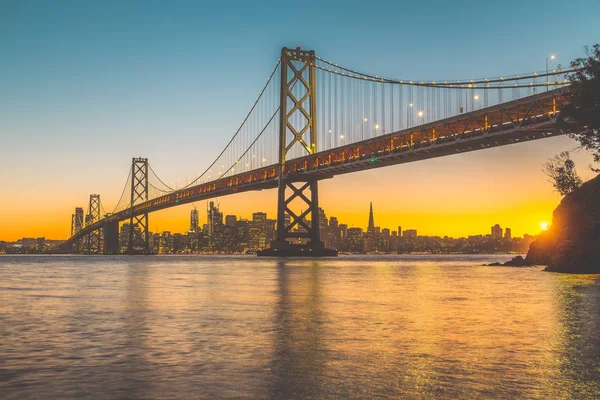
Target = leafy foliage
(581,118)
(561,171)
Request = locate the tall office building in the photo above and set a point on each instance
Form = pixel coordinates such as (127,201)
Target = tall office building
(261,231)
(343,231)
(214,222)
(230,236)
(507,234)
(371,226)
(194,221)
(496,232)
(242,235)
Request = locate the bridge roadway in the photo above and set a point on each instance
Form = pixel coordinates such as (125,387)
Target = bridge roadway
(517,121)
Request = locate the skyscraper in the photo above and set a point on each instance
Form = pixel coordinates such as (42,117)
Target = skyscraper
(194,221)
(371,226)
(257,236)
(343,231)
(496,232)
(214,222)
(507,234)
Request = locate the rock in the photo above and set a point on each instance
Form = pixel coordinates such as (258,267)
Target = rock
(572,244)
(540,250)
(518,261)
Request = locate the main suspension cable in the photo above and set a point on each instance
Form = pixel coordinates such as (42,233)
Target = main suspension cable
(366,76)
(239,129)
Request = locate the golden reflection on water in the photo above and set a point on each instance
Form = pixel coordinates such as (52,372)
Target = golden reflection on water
(241,327)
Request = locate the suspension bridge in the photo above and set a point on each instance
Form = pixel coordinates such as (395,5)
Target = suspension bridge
(315,119)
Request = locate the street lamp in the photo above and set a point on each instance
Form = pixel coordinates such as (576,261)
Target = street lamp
(376,127)
(475,98)
(407,110)
(550,57)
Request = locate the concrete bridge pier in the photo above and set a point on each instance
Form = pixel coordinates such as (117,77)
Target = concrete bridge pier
(111,237)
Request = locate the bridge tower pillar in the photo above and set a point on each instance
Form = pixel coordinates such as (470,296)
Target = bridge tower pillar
(139,239)
(95,237)
(297,128)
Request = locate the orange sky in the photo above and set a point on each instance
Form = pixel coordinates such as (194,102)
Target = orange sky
(456,196)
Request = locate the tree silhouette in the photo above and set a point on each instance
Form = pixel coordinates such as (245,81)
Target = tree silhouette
(581,118)
(561,171)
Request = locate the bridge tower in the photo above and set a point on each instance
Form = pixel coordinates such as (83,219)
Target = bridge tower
(95,237)
(139,239)
(297,69)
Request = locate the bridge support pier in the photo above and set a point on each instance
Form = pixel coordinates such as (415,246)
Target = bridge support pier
(111,238)
(298,102)
(305,240)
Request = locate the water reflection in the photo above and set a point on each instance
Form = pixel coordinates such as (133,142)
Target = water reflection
(350,328)
(578,355)
(299,356)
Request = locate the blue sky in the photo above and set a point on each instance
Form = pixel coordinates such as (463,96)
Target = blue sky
(85,86)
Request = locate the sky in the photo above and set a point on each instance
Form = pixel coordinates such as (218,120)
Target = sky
(86,86)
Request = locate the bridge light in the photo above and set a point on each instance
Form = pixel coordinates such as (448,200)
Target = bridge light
(330,131)
(365,119)
(410,105)
(377,126)
(341,136)
(420,113)
(476,97)
(373,159)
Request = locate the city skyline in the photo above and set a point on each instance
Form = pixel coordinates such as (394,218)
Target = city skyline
(229,234)
(197,223)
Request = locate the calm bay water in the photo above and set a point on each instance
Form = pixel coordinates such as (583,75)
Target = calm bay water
(242,327)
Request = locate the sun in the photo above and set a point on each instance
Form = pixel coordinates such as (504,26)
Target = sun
(544,225)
